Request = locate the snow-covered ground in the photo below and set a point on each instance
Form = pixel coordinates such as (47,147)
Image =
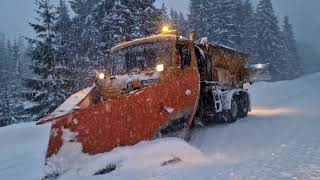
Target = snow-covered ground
(22,149)
(279,140)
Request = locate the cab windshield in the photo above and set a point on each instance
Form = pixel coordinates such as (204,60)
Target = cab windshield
(141,57)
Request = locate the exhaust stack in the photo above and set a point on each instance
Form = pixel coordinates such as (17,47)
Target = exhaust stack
(193,36)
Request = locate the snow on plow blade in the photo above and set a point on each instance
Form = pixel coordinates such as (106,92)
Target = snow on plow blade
(127,119)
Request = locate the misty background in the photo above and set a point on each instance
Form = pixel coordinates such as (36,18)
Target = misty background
(304,15)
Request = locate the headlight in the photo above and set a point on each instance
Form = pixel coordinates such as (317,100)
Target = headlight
(165,29)
(160,68)
(102,76)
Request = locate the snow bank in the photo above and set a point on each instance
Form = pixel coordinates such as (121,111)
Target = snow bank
(145,155)
(302,90)
(22,151)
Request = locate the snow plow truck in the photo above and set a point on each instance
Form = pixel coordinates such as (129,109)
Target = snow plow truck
(153,87)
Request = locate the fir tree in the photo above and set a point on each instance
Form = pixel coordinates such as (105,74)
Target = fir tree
(165,19)
(248,30)
(178,22)
(269,49)
(44,88)
(126,18)
(9,56)
(228,23)
(6,111)
(85,44)
(183,23)
(62,24)
(194,16)
(15,57)
(63,37)
(146,17)
(4,108)
(116,23)
(2,50)
(174,19)
(216,19)
(201,17)
(85,31)
(290,50)
(15,85)
(10,84)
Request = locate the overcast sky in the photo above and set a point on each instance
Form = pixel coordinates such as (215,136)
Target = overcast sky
(305,15)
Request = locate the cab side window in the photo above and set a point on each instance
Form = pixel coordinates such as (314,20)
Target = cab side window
(184,56)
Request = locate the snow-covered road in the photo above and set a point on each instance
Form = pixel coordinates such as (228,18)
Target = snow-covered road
(279,140)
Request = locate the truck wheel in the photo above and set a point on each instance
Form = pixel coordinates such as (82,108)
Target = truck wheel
(231,115)
(243,106)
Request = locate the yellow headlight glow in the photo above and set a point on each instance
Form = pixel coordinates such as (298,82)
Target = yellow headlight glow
(160,68)
(165,29)
(102,76)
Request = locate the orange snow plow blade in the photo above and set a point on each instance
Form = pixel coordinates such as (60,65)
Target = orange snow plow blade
(128,119)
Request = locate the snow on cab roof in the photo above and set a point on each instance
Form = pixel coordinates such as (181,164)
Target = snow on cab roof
(155,38)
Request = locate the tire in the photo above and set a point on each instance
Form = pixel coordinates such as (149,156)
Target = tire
(231,115)
(244,105)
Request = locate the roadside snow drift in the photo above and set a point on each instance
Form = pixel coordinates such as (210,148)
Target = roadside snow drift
(22,151)
(279,140)
(145,155)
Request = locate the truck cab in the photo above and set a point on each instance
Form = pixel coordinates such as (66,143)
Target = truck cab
(155,60)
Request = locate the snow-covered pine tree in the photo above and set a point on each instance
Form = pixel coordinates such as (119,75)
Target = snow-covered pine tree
(9,56)
(269,49)
(84,21)
(194,16)
(2,50)
(116,23)
(15,85)
(248,30)
(85,40)
(201,17)
(216,19)
(44,89)
(179,23)
(146,17)
(165,19)
(10,85)
(290,50)
(175,20)
(62,24)
(229,23)
(128,18)
(15,57)
(112,20)
(63,37)
(6,117)
(183,23)
(4,80)
(24,60)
